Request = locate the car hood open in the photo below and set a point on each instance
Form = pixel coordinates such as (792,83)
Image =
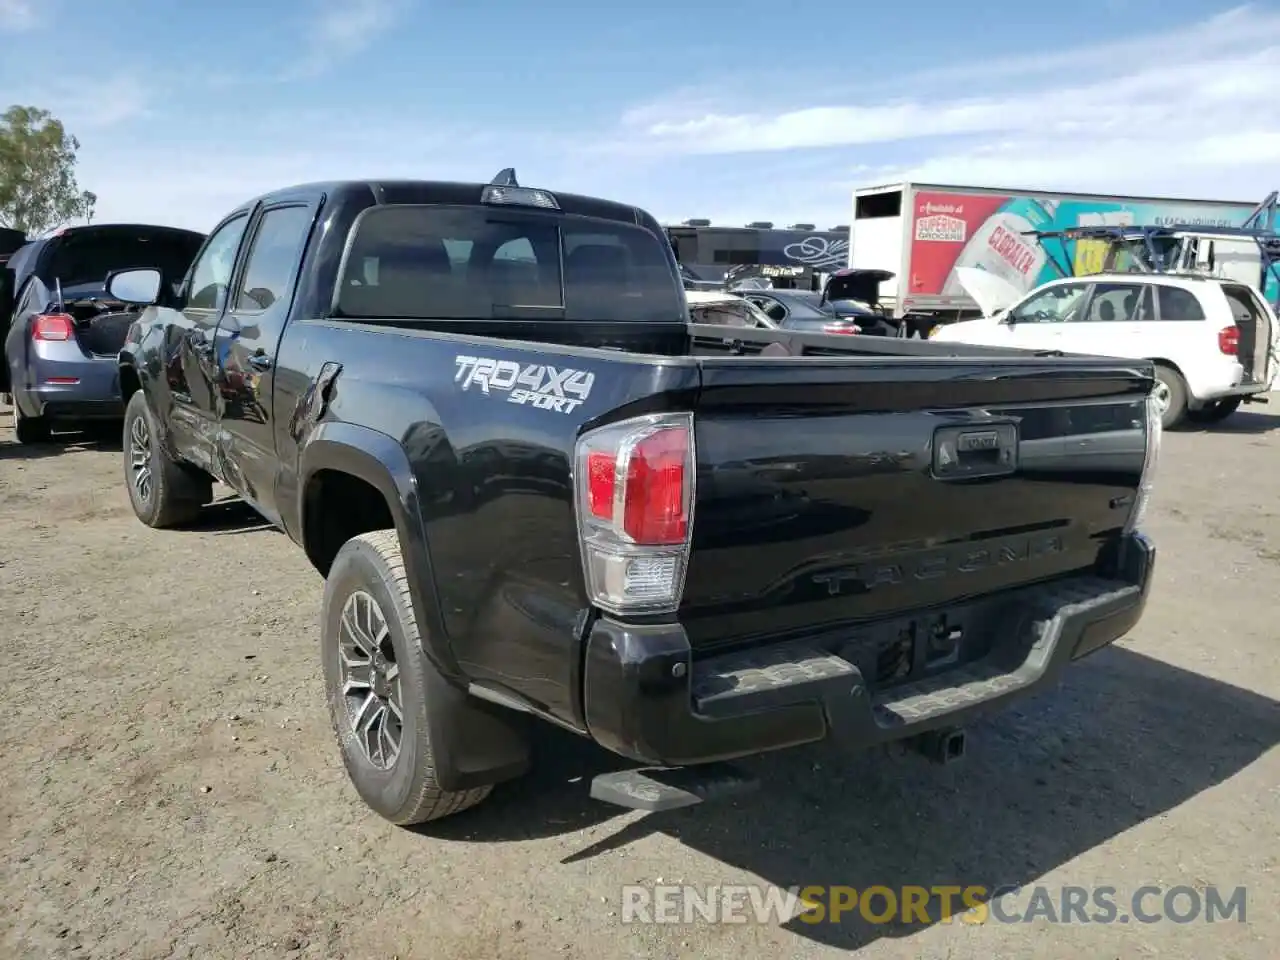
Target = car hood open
(991,293)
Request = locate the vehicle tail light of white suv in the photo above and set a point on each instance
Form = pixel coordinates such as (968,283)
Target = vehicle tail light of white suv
(633,490)
(1150,460)
(1229,340)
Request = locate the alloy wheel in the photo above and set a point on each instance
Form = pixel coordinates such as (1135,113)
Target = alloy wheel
(1162,396)
(140,457)
(370,680)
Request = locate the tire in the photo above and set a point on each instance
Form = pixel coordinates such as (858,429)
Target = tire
(30,429)
(1215,411)
(1173,389)
(173,493)
(401,787)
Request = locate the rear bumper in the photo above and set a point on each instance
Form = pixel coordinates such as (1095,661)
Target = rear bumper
(68,410)
(646,698)
(68,402)
(62,383)
(1242,390)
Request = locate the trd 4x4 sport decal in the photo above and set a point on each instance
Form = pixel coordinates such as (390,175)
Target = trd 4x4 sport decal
(536,384)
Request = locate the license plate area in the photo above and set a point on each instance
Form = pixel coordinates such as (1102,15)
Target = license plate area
(909,649)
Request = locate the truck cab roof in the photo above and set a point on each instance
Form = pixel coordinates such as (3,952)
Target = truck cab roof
(442,192)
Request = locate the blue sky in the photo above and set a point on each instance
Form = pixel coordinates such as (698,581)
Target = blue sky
(736,111)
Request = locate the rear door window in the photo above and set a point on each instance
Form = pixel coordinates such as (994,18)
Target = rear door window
(273,258)
(1113,303)
(1177,304)
(479,263)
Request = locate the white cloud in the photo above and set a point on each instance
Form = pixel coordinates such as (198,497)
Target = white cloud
(1189,108)
(1186,112)
(341,29)
(17,15)
(85,106)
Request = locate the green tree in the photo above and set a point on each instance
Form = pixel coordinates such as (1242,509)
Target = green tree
(38,189)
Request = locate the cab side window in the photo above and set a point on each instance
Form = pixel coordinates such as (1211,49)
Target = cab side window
(273,258)
(211,275)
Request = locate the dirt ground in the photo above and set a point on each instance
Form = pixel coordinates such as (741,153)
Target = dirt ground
(172,788)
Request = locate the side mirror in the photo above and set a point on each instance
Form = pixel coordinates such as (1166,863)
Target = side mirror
(134,286)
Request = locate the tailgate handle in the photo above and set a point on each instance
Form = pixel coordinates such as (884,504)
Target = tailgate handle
(971,451)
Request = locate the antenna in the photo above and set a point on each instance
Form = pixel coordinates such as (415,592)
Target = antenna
(505,178)
(57,284)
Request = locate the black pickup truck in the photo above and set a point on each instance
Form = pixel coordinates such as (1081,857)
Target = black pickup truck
(533,487)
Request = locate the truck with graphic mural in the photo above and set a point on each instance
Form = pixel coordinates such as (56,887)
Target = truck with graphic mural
(923,232)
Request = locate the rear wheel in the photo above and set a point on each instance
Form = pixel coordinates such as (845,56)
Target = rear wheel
(30,429)
(1215,411)
(376,684)
(1170,393)
(163,493)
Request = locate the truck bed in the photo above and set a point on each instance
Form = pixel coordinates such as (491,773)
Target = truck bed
(817,503)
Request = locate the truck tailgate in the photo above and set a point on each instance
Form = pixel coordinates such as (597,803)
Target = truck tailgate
(831,492)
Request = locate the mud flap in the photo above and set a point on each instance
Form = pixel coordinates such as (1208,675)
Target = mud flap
(475,743)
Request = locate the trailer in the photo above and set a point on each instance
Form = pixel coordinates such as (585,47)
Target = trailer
(921,232)
(799,256)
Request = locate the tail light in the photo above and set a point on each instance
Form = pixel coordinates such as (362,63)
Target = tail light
(844,328)
(1150,460)
(1229,340)
(634,484)
(52,327)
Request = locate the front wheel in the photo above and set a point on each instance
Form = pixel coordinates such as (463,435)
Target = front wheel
(376,684)
(162,493)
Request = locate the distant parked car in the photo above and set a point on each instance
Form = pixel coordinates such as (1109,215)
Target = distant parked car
(1214,342)
(803,311)
(722,309)
(847,304)
(62,332)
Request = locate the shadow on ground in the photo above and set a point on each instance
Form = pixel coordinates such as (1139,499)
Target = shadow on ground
(1245,421)
(1124,740)
(228,517)
(101,438)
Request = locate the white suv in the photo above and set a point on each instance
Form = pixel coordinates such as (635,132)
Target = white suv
(1213,341)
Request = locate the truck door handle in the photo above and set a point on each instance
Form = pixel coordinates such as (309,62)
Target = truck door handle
(260,361)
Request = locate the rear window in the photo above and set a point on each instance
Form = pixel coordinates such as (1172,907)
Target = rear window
(480,263)
(87,257)
(1179,304)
